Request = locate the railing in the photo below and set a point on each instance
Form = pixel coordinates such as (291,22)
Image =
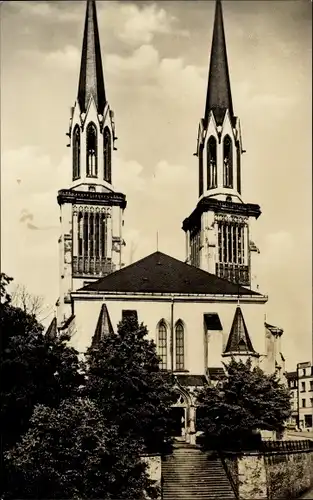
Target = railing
(237,273)
(283,446)
(92,266)
(229,474)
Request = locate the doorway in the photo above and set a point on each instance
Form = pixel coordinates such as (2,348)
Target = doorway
(178,422)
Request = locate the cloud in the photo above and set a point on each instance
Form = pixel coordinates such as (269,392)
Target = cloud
(171,77)
(48,11)
(65,59)
(139,25)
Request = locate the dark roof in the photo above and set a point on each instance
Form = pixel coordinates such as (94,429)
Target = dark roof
(104,325)
(52,331)
(91,81)
(291,375)
(191,380)
(216,373)
(239,338)
(275,330)
(160,273)
(219,97)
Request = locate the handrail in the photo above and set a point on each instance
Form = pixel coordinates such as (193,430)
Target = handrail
(229,475)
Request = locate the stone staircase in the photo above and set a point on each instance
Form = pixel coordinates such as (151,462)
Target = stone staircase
(189,474)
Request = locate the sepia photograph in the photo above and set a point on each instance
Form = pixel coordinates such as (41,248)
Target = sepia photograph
(156,249)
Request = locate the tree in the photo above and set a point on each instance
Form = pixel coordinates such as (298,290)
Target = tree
(33,369)
(125,381)
(28,302)
(247,400)
(71,452)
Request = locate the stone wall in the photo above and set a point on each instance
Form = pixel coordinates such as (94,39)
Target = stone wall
(271,476)
(289,475)
(154,467)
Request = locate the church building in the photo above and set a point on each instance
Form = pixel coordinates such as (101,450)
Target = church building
(200,312)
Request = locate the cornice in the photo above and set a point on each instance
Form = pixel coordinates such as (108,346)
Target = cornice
(208,204)
(91,198)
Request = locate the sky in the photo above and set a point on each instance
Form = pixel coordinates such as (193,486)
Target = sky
(155,57)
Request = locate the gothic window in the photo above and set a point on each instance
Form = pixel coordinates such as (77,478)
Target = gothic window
(212,164)
(228,162)
(107,155)
(91,240)
(238,169)
(91,146)
(200,171)
(231,243)
(195,248)
(76,153)
(180,347)
(162,344)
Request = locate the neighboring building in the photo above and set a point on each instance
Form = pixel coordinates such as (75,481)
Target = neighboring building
(199,313)
(292,379)
(300,383)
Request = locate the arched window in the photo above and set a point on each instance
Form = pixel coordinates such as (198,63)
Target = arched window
(201,171)
(162,344)
(180,347)
(212,164)
(107,155)
(91,150)
(228,162)
(76,153)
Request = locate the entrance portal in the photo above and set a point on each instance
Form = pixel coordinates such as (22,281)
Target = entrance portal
(178,422)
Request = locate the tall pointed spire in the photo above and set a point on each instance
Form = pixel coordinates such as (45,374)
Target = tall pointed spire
(218,94)
(91,81)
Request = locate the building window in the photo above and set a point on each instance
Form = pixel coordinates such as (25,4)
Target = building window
(303,403)
(76,153)
(231,249)
(201,171)
(211,163)
(91,243)
(311,401)
(228,162)
(180,347)
(107,155)
(308,420)
(91,150)
(162,345)
(129,314)
(311,385)
(195,244)
(302,386)
(303,372)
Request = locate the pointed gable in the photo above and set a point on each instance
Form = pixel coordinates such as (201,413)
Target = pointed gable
(104,326)
(160,273)
(239,338)
(219,97)
(91,81)
(52,330)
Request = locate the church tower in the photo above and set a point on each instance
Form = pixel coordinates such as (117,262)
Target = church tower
(91,216)
(217,231)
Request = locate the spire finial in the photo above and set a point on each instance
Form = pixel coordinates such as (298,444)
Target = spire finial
(91,81)
(219,97)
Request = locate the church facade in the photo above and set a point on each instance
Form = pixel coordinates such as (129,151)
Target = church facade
(200,312)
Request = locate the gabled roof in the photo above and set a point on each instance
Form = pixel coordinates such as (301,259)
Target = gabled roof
(216,373)
(239,338)
(160,273)
(191,380)
(104,326)
(219,97)
(275,330)
(91,81)
(52,331)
